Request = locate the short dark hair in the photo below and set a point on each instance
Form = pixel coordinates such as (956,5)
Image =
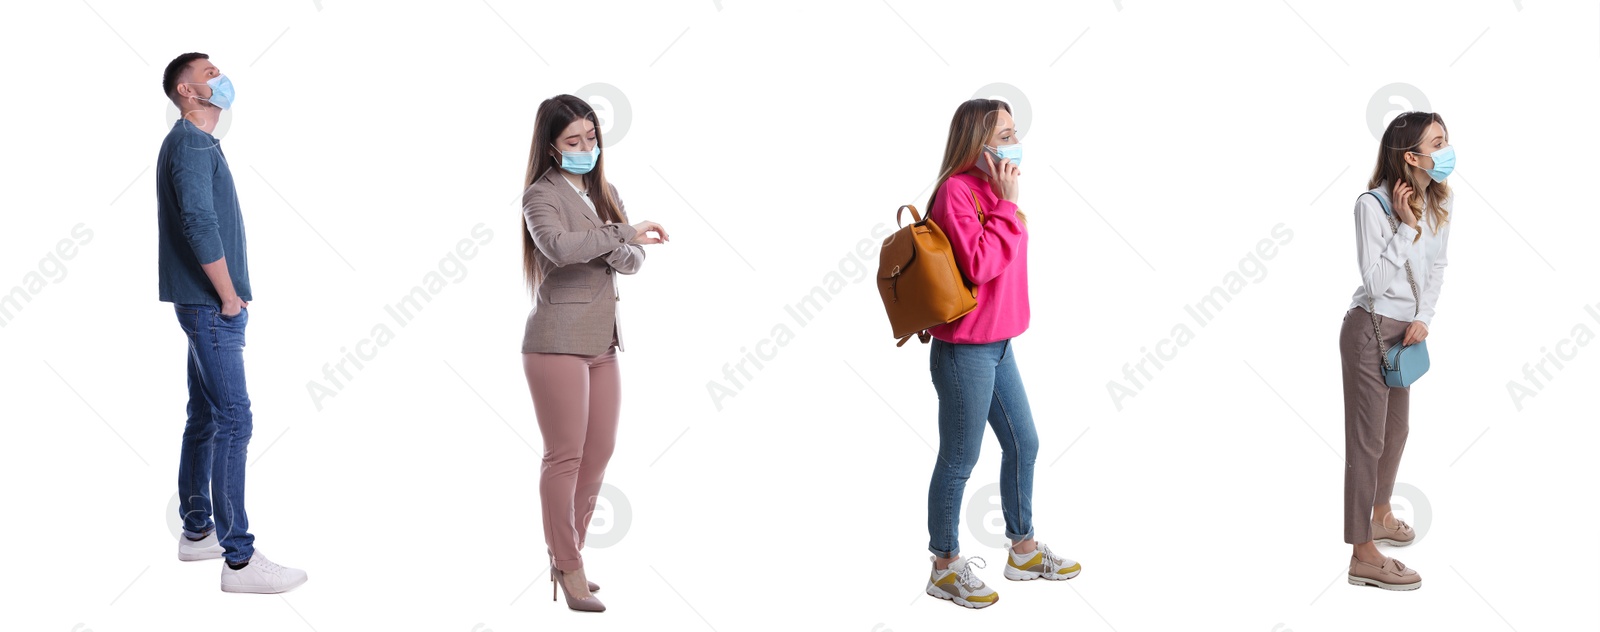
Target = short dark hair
(169,78)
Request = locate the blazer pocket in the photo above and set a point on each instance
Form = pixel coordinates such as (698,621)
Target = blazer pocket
(572,294)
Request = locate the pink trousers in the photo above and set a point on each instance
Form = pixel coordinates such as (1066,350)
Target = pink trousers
(577,400)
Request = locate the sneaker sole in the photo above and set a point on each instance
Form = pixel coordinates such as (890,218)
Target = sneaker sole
(1363,581)
(1394,542)
(200,556)
(1023,576)
(263,590)
(934,592)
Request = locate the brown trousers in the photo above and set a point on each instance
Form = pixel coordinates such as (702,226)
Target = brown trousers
(1376,421)
(577,400)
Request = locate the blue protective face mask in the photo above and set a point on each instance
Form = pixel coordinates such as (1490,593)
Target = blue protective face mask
(1444,162)
(580,162)
(221,92)
(1012,152)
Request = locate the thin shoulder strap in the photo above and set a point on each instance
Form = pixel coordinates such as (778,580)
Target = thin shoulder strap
(1381,203)
(1377,332)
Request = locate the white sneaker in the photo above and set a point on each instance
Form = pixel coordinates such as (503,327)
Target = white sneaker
(1040,563)
(205,548)
(958,584)
(262,576)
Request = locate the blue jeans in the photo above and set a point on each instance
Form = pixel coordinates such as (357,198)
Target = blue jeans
(978,382)
(217,434)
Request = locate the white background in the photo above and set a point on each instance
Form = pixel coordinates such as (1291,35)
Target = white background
(771,138)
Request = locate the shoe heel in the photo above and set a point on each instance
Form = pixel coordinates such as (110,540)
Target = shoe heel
(552,585)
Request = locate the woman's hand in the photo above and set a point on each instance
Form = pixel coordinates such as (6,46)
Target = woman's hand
(1416,332)
(644,229)
(1402,203)
(1003,177)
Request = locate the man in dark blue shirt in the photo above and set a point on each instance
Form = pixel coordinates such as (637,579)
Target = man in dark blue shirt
(205,275)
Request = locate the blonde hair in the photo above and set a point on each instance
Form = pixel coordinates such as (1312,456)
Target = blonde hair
(1403,136)
(969,132)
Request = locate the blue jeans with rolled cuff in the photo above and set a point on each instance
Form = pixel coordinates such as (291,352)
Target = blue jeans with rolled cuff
(978,383)
(217,433)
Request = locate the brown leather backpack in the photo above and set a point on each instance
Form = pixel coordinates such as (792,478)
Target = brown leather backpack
(919,280)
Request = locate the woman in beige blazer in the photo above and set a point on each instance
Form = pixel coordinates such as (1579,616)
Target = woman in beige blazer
(577,242)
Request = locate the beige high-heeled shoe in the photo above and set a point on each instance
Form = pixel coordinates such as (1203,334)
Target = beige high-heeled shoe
(586,604)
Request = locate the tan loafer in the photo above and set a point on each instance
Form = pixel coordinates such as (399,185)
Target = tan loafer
(1401,535)
(1391,575)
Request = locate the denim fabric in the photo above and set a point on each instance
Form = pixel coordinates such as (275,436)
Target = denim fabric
(199,220)
(217,435)
(978,382)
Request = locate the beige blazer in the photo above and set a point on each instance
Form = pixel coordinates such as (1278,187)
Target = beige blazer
(579,256)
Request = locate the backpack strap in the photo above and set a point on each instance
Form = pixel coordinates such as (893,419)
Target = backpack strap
(899,216)
(921,335)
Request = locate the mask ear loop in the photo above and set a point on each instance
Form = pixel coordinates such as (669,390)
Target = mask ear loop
(197,96)
(560,157)
(1419,162)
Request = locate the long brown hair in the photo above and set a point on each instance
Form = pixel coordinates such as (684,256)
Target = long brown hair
(1404,135)
(969,132)
(554,115)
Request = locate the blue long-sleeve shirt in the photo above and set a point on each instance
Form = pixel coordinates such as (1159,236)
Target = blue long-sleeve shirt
(199,216)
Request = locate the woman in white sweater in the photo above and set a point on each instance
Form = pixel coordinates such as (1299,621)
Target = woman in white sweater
(1402,230)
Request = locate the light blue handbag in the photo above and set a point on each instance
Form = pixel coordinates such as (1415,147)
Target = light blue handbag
(1401,365)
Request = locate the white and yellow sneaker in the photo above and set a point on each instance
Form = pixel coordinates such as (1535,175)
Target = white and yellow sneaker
(958,584)
(1040,562)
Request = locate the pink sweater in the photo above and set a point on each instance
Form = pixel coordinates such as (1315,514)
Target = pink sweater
(993,255)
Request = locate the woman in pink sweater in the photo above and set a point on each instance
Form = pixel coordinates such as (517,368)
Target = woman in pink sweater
(973,360)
